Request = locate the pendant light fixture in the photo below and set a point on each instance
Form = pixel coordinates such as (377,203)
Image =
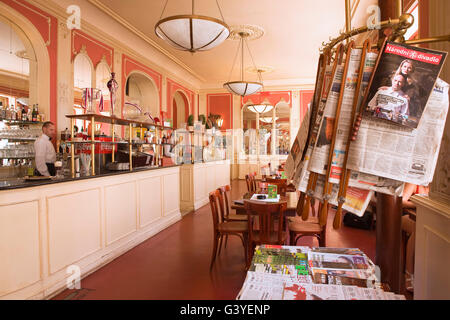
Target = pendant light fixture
(191,32)
(260,108)
(243,88)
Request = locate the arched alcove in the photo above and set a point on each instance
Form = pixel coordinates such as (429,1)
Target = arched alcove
(282,126)
(33,75)
(142,91)
(180,108)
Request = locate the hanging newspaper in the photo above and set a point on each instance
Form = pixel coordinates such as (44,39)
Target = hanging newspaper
(345,120)
(319,158)
(358,179)
(301,175)
(356,200)
(402,83)
(400,153)
(294,160)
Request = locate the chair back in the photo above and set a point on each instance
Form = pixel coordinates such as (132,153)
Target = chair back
(250,179)
(281,187)
(263,187)
(270,180)
(214,210)
(248,182)
(267,213)
(225,192)
(223,204)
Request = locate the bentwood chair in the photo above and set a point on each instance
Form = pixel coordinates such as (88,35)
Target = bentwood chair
(250,179)
(299,228)
(224,206)
(280,183)
(221,228)
(268,232)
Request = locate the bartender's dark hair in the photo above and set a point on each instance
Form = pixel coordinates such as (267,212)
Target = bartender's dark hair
(47,124)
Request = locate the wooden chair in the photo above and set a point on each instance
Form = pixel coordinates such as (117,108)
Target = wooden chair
(263,187)
(299,228)
(280,183)
(224,206)
(221,228)
(268,232)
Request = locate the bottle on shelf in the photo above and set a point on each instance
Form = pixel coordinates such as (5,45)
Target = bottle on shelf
(34,114)
(13,113)
(2,111)
(19,114)
(24,114)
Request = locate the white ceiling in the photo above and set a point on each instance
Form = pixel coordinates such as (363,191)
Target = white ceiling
(294,32)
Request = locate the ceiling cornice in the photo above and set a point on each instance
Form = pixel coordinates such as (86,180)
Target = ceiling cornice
(141,35)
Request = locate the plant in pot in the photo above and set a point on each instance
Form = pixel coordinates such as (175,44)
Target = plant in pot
(190,122)
(202,119)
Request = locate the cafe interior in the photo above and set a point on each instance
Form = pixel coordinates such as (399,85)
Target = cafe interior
(171,118)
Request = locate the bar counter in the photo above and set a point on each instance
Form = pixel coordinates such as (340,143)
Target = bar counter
(52,231)
(21,183)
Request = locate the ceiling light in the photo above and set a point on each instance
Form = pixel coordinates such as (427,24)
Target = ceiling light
(192,32)
(243,88)
(268,119)
(260,108)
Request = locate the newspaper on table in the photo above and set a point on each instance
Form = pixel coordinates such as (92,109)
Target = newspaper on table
(400,153)
(346,283)
(319,156)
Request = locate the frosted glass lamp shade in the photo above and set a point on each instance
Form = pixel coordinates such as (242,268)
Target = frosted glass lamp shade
(243,88)
(191,32)
(260,108)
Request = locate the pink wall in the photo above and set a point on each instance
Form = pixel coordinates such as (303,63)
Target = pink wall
(47,25)
(221,103)
(129,65)
(187,94)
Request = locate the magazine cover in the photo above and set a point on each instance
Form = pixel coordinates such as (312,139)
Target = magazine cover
(402,83)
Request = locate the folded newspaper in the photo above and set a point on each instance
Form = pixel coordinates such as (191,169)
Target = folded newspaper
(285,273)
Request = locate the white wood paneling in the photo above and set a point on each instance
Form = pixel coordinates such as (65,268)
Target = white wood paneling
(432,250)
(150,200)
(73,227)
(57,225)
(120,203)
(20,264)
(171,186)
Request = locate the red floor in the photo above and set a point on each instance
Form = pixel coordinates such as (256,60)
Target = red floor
(174,264)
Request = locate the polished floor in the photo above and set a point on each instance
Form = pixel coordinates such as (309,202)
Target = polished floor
(174,264)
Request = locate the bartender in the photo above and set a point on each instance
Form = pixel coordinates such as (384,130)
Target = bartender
(45,155)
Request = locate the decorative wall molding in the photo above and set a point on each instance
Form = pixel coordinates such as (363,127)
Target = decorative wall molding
(173,87)
(95,49)
(141,35)
(129,65)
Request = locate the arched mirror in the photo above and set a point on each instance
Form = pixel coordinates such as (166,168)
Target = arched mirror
(249,124)
(180,111)
(140,93)
(83,73)
(18,72)
(282,128)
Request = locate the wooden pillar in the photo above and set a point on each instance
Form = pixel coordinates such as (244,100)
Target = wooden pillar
(389,217)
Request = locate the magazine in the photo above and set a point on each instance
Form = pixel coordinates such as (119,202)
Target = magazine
(337,261)
(402,83)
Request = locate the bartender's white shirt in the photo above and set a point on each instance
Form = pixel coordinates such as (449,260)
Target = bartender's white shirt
(44,153)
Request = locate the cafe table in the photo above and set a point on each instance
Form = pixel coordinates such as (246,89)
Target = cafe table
(291,199)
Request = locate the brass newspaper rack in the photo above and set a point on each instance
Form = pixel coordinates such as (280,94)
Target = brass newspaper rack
(388,207)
